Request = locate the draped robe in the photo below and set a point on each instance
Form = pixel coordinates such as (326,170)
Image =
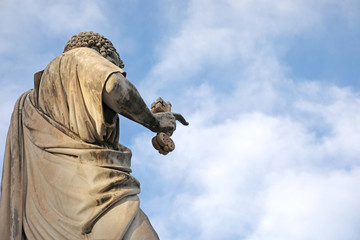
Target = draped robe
(65,175)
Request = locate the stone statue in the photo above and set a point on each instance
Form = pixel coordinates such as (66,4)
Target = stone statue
(65,175)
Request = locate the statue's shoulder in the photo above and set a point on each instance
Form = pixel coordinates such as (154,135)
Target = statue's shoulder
(81,52)
(76,56)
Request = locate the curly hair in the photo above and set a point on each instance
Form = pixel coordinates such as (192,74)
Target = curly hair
(92,40)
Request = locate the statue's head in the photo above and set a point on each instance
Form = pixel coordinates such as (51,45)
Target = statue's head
(97,42)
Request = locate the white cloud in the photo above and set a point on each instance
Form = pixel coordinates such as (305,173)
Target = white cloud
(259,175)
(269,158)
(220,34)
(311,206)
(54,17)
(218,31)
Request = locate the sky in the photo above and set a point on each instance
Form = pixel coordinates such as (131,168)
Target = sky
(271,90)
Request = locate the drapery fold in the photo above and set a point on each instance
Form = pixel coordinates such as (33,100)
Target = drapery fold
(64,170)
(13,177)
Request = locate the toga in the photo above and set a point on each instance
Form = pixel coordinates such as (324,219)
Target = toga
(65,175)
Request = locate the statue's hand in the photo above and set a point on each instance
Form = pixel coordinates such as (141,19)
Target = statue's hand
(167,121)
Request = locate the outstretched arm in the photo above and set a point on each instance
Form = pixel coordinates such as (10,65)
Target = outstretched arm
(122,97)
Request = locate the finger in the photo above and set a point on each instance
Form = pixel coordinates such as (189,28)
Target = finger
(180,118)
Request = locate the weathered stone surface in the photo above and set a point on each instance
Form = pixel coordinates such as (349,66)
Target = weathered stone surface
(65,174)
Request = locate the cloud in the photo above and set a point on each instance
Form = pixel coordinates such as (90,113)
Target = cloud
(311,206)
(258,175)
(265,156)
(220,34)
(56,18)
(222,31)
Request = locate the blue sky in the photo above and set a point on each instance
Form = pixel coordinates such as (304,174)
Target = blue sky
(270,88)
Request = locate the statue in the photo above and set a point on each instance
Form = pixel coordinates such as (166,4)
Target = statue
(65,175)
